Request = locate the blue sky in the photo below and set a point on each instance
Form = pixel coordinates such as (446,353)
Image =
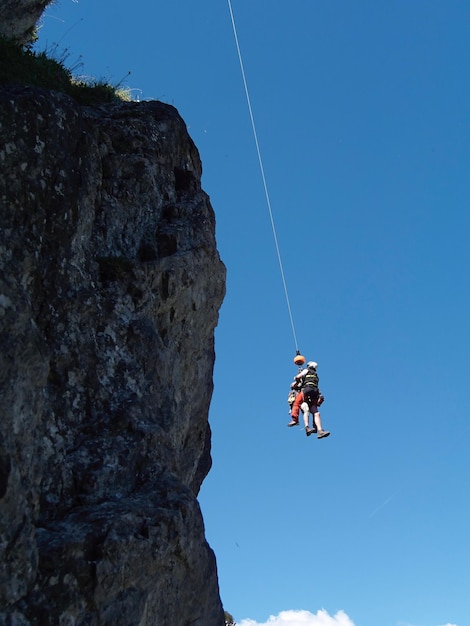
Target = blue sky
(362,111)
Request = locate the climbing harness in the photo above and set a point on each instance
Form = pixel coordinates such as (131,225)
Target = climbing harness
(298,358)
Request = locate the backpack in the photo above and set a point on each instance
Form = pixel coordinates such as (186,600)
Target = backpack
(291,397)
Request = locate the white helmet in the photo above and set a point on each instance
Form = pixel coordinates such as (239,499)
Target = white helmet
(312,365)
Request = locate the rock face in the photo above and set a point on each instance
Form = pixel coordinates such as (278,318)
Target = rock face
(18,18)
(110,287)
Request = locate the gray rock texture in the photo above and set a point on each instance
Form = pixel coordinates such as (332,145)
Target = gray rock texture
(110,288)
(18,18)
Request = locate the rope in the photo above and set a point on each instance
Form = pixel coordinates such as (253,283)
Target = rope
(268,201)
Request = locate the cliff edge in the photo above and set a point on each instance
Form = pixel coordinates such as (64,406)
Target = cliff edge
(110,288)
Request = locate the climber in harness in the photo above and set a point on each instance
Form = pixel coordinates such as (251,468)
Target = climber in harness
(308,399)
(299,360)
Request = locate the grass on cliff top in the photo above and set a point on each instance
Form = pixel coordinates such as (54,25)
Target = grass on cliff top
(21,66)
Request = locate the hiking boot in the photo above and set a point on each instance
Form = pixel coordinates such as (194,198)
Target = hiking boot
(293,423)
(323,433)
(309,431)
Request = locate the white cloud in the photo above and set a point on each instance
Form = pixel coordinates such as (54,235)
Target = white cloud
(448,624)
(303,618)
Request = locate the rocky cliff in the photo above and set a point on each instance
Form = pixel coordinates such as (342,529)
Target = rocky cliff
(110,287)
(18,18)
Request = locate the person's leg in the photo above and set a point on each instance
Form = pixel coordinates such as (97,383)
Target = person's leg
(317,420)
(296,409)
(306,412)
(311,396)
(313,409)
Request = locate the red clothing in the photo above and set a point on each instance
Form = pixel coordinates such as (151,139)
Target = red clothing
(313,404)
(296,406)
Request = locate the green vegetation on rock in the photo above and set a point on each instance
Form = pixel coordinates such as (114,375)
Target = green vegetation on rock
(19,65)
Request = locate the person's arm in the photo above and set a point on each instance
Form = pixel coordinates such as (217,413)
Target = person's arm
(301,375)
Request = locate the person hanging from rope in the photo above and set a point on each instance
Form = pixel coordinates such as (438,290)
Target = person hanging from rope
(299,360)
(308,399)
(306,378)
